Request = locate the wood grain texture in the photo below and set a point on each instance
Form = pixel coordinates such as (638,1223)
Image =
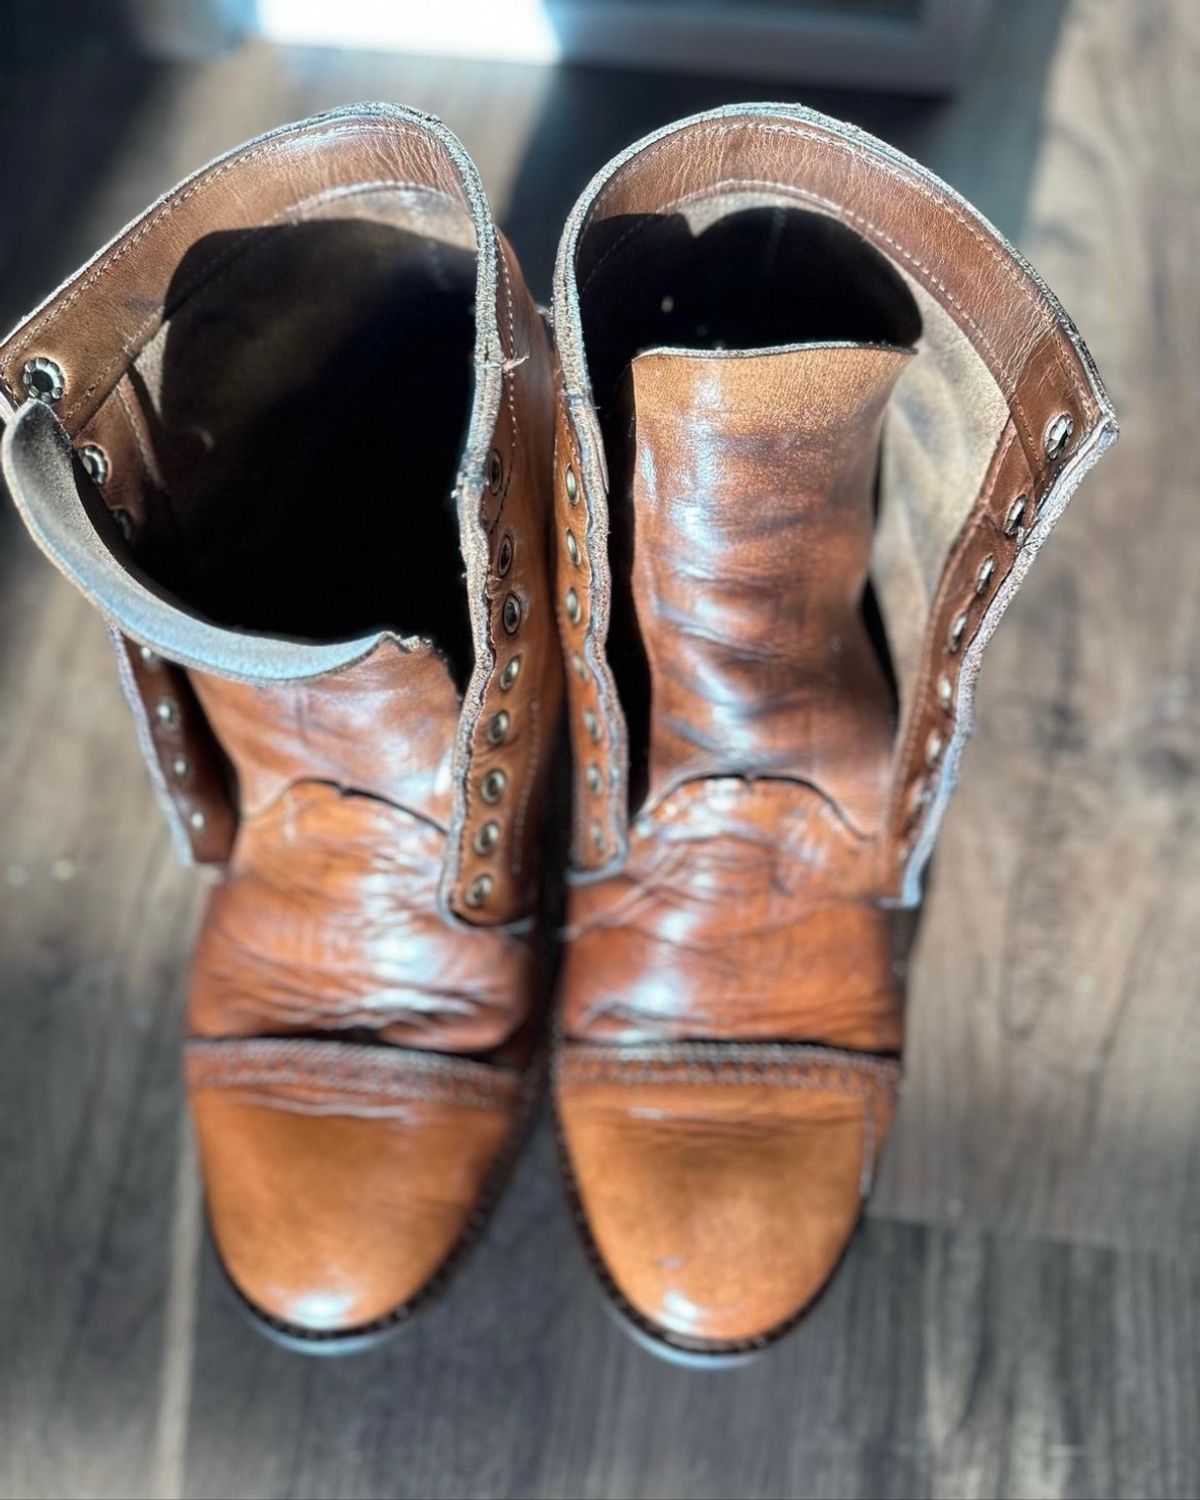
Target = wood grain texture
(1023,1316)
(1055,1016)
(942,1362)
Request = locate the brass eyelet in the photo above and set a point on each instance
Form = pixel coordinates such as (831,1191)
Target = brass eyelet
(487,838)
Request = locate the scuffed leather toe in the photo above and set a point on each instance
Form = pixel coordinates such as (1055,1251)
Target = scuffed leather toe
(341,1181)
(720,1185)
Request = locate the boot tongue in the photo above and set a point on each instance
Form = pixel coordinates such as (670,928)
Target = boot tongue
(753,507)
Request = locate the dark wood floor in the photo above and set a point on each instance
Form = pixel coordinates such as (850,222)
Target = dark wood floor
(1021,1314)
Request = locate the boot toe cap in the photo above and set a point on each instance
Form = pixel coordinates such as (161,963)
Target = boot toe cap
(334,1208)
(719,1210)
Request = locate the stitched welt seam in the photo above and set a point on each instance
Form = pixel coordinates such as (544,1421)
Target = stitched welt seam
(270,148)
(849,148)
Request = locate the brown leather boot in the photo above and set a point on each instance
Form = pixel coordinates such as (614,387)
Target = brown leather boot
(815,419)
(262,431)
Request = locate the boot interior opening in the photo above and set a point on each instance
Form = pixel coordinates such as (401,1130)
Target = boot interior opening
(734,274)
(729,277)
(300,416)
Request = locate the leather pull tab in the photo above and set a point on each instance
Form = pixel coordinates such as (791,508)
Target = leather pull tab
(753,505)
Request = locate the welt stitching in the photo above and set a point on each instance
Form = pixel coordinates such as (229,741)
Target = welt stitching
(367,1107)
(233,1072)
(806,195)
(857,152)
(214,269)
(268,148)
(832,1078)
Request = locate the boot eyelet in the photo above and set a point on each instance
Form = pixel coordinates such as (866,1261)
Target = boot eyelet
(166,711)
(95,461)
(497,729)
(595,780)
(180,768)
(957,630)
(487,838)
(510,673)
(505,556)
(495,471)
(479,890)
(1016,514)
(150,658)
(572,548)
(934,746)
(945,690)
(1058,436)
(579,666)
(572,486)
(44,380)
(599,842)
(987,569)
(510,615)
(574,608)
(492,787)
(197,821)
(592,724)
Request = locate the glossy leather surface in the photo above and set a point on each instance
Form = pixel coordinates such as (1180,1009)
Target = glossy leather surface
(719,1197)
(341,1182)
(715,1181)
(752,494)
(363,1011)
(752,791)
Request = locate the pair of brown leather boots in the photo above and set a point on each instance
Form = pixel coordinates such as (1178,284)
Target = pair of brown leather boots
(304,439)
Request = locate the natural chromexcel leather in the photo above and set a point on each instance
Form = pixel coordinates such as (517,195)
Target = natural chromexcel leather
(814,420)
(321,396)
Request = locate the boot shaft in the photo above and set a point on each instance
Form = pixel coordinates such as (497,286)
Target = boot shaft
(773,218)
(267,431)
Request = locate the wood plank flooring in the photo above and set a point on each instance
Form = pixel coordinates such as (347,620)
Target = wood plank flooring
(1021,1315)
